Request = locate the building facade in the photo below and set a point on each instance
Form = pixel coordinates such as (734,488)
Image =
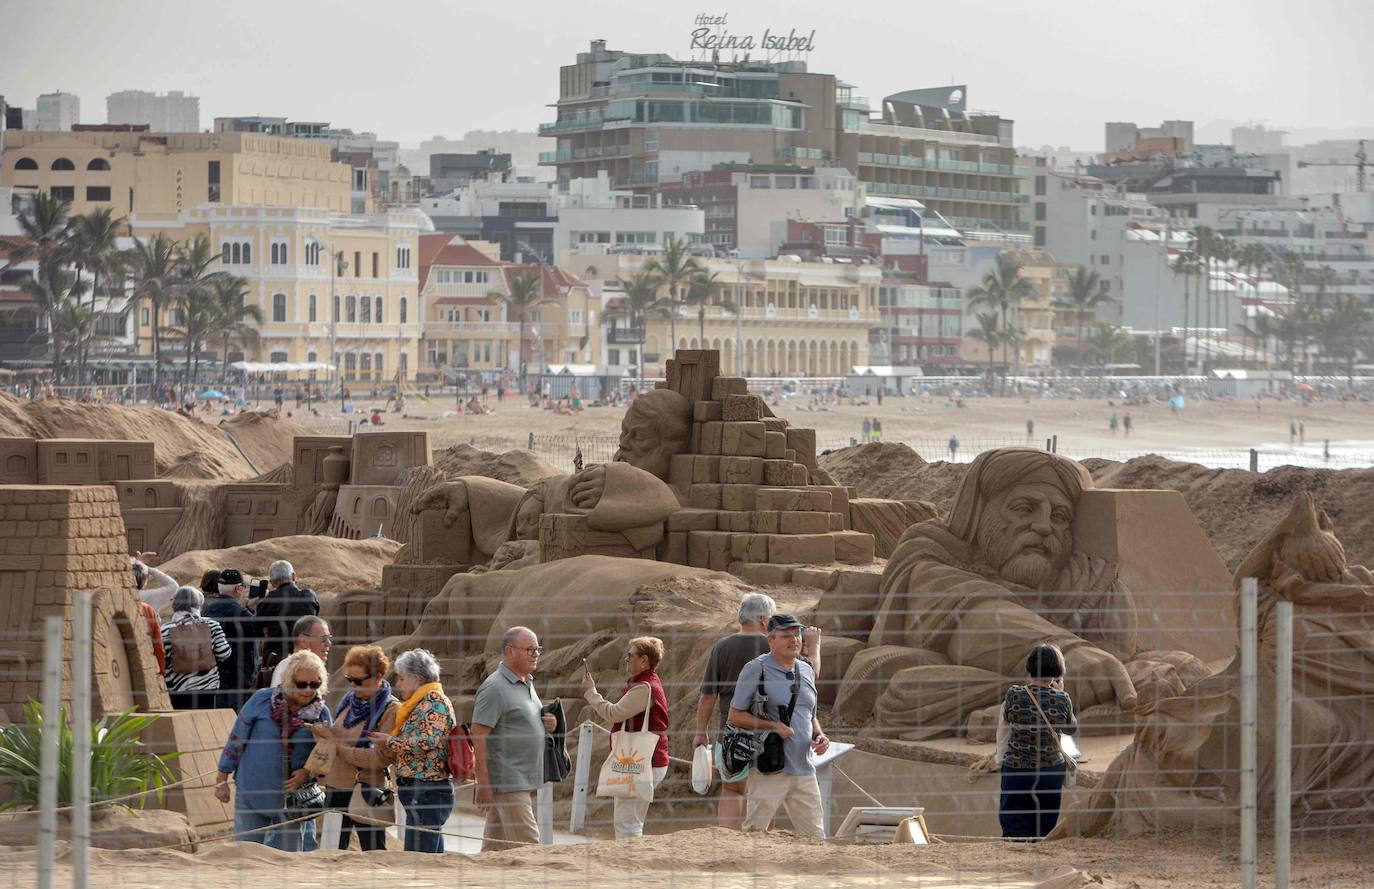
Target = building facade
(57,112)
(173,112)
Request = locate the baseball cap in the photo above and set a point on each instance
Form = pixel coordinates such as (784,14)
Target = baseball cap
(782,621)
(231,576)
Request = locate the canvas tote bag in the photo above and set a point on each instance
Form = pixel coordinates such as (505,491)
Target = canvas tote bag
(627,772)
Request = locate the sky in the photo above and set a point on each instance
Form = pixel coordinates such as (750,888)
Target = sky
(411,70)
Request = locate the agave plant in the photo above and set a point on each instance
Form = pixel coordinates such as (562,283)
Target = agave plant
(121,765)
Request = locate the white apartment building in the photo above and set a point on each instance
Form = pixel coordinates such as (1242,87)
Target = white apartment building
(57,112)
(594,219)
(172,112)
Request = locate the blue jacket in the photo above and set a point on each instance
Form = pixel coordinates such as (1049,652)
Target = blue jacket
(254,754)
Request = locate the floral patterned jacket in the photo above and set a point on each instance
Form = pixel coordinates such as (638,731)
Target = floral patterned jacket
(420,749)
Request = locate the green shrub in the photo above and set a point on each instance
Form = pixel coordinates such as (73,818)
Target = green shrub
(120,763)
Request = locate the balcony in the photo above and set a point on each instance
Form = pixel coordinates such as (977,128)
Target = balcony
(626,336)
(506,328)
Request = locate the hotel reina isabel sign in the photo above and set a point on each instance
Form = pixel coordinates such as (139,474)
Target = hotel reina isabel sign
(710,34)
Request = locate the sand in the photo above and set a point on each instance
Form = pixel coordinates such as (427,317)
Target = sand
(519,467)
(719,859)
(328,565)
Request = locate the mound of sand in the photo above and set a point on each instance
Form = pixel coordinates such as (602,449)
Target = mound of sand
(187,447)
(517,467)
(894,471)
(328,565)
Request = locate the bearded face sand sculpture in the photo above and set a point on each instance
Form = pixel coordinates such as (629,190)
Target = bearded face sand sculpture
(657,426)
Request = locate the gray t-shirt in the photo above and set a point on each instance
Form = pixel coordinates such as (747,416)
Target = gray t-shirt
(727,657)
(515,747)
(777,684)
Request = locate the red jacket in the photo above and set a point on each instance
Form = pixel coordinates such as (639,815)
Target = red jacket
(658,716)
(155,631)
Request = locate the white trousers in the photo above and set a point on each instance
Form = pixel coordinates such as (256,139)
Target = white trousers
(630,813)
(799,794)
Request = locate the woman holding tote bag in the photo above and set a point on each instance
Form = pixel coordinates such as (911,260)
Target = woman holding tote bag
(639,731)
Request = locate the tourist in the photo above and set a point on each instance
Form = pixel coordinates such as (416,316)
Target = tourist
(279,609)
(728,656)
(790,688)
(953,447)
(1112,424)
(311,634)
(1126,425)
(225,607)
(195,647)
(1028,749)
(1292,432)
(266,754)
(508,729)
(877,427)
(643,691)
(418,745)
(154,587)
(376,417)
(1030,431)
(209,581)
(368,707)
(150,615)
(868,429)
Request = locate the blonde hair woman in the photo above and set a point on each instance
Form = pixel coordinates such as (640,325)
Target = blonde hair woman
(642,690)
(266,753)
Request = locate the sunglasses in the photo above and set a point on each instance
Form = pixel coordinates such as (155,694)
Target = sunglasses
(312,685)
(356,680)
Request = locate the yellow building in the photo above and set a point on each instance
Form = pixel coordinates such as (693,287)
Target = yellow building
(131,170)
(793,318)
(466,329)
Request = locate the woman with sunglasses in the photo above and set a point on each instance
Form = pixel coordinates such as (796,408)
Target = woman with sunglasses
(418,745)
(367,707)
(643,691)
(266,754)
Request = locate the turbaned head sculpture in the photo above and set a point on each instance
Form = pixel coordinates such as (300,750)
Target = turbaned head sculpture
(657,426)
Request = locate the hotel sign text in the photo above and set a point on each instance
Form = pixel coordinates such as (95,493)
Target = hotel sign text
(710,33)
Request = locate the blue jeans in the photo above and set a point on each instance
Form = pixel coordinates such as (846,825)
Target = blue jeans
(298,837)
(428,805)
(1030,801)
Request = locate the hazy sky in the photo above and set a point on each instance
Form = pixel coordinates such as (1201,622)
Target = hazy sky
(410,70)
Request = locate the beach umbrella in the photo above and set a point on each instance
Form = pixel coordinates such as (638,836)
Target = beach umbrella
(1304,387)
(212,393)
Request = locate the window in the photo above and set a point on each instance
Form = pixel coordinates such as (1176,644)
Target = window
(593,237)
(1039,211)
(614,356)
(98,193)
(351,310)
(786,181)
(1040,186)
(98,164)
(247,254)
(359,179)
(403,320)
(367,310)
(278,254)
(377,364)
(279,358)
(64,192)
(336,318)
(575,316)
(357,263)
(374,264)
(224,253)
(403,256)
(235,253)
(1092,210)
(26,163)
(1040,236)
(378,302)
(279,307)
(311,310)
(808,181)
(1092,235)
(650,140)
(63,164)
(144,320)
(759,182)
(1106,260)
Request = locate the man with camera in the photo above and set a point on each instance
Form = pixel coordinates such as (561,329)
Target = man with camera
(279,610)
(783,774)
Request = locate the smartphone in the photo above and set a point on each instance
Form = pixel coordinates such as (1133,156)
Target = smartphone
(586,669)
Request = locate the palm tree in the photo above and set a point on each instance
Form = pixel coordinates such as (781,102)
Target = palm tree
(638,303)
(1342,328)
(675,270)
(1206,243)
(155,270)
(705,290)
(93,249)
(990,336)
(1003,288)
(1186,264)
(44,234)
(1109,340)
(55,293)
(526,292)
(195,290)
(230,314)
(1087,291)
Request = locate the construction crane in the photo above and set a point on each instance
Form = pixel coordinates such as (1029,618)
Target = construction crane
(1359,165)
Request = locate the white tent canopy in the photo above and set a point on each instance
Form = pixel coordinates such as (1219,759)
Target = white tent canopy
(263,367)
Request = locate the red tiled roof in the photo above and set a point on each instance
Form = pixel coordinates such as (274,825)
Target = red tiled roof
(553,278)
(449,250)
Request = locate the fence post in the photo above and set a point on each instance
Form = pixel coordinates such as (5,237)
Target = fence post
(530,446)
(544,811)
(582,776)
(1254,460)
(1054,444)
(1283,746)
(1249,599)
(47,757)
(81,741)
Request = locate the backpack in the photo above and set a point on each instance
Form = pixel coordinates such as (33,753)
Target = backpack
(462,763)
(193,649)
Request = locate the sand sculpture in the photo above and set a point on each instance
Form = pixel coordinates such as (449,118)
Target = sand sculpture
(1182,767)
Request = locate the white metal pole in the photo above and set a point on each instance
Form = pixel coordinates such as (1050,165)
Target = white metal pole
(1249,599)
(47,758)
(81,741)
(544,811)
(1283,746)
(581,778)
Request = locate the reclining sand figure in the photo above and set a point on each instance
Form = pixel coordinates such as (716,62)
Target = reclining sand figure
(1183,767)
(978,590)
(629,495)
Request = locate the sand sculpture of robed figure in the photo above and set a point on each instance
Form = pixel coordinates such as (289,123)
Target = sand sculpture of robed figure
(978,590)
(629,496)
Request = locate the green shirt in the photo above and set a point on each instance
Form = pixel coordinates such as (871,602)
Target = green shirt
(515,748)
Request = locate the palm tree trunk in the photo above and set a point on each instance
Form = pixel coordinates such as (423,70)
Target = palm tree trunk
(1186,288)
(701,320)
(520,351)
(224,362)
(672,320)
(157,348)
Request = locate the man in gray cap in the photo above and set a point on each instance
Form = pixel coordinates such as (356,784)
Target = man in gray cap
(225,605)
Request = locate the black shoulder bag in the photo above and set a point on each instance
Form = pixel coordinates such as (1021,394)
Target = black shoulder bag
(771,758)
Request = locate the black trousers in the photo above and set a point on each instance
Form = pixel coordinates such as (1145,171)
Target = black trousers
(370,836)
(1030,801)
(193,700)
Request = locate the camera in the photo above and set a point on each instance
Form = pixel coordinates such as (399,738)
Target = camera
(375,796)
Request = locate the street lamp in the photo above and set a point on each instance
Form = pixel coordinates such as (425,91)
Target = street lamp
(739,310)
(337,267)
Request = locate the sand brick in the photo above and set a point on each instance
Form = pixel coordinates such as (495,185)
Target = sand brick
(741,408)
(731,520)
(705,411)
(695,445)
(803,441)
(739,497)
(693,520)
(774,443)
(777,473)
(793,522)
(681,470)
(706,470)
(801,549)
(704,496)
(800,474)
(711,435)
(804,499)
(748,547)
(816,578)
(853,547)
(743,439)
(764,574)
(723,386)
(675,547)
(764,521)
(836,522)
(709,549)
(741,470)
(774,424)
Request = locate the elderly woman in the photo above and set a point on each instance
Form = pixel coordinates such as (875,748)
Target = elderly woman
(643,691)
(367,707)
(418,745)
(266,754)
(194,647)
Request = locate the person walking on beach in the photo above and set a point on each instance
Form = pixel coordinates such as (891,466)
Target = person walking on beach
(1126,425)
(1292,431)
(1030,431)
(868,429)
(877,428)
(953,447)
(1112,424)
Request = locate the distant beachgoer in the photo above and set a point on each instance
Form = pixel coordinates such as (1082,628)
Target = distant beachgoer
(1112,424)
(1326,450)
(1302,433)
(1126,425)
(1292,431)
(868,429)
(1030,431)
(954,447)
(877,428)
